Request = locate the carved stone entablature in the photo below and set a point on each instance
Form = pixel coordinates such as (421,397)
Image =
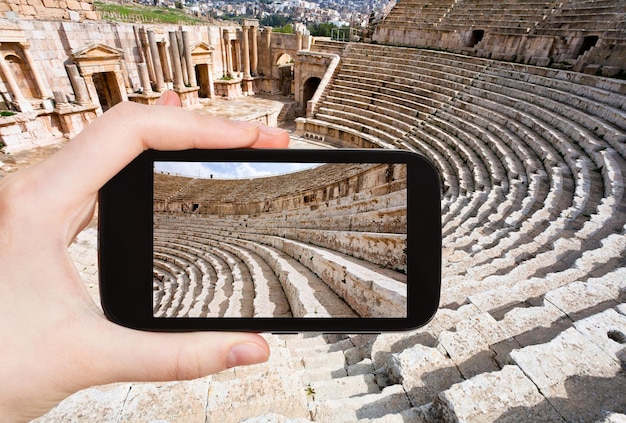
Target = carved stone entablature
(250,22)
(11,32)
(201,53)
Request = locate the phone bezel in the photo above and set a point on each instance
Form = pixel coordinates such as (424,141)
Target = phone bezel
(125,243)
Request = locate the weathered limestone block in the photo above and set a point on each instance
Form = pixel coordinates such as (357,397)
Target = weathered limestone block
(611,71)
(606,330)
(343,387)
(98,404)
(391,400)
(173,401)
(576,376)
(469,344)
(272,391)
(577,297)
(274,418)
(484,397)
(423,372)
(613,418)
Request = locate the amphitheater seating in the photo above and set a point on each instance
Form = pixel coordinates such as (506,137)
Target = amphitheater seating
(533,163)
(532,321)
(585,15)
(318,242)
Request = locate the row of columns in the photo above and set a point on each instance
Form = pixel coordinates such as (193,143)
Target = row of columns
(250,55)
(156,67)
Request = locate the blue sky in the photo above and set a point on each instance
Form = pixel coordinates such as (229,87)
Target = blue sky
(230,170)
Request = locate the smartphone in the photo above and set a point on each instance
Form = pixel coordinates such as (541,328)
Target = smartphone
(288,240)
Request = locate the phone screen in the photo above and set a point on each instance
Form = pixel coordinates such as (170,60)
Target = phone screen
(344,240)
(279,240)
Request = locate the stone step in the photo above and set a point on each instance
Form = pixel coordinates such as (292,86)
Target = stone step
(343,387)
(391,400)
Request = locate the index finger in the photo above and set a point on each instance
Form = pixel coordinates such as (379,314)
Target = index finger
(114,139)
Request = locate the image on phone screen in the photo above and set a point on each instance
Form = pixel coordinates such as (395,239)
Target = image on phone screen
(280,240)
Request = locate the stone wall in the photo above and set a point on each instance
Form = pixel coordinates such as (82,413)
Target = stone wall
(75,10)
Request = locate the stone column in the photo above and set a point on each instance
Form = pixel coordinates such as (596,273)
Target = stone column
(60,100)
(156,62)
(175,56)
(79,85)
(20,101)
(191,72)
(90,88)
(267,31)
(229,53)
(44,92)
(126,76)
(237,55)
(299,35)
(255,52)
(145,78)
(181,57)
(246,53)
(165,62)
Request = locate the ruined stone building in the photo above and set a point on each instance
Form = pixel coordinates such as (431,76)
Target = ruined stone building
(521,107)
(61,67)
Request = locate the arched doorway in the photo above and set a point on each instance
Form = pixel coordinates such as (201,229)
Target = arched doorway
(477,37)
(310,86)
(23,75)
(587,44)
(285,73)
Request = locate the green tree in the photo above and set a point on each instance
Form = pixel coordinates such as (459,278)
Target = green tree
(276,21)
(287,29)
(321,29)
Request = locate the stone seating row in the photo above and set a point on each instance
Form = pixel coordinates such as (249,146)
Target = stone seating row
(581,114)
(332,378)
(195,294)
(237,189)
(428,13)
(384,249)
(264,297)
(582,170)
(453,351)
(446,148)
(344,275)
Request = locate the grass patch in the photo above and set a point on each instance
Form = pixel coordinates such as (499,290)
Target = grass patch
(136,12)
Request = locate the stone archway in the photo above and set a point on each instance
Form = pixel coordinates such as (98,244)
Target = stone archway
(285,74)
(101,67)
(23,75)
(310,86)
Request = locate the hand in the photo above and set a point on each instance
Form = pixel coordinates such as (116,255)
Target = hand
(54,340)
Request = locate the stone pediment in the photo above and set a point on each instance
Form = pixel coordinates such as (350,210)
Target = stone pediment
(202,48)
(97,51)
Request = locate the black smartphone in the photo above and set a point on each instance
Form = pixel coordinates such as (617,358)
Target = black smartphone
(290,240)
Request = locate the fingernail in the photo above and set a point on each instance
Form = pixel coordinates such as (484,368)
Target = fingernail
(245,354)
(163,99)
